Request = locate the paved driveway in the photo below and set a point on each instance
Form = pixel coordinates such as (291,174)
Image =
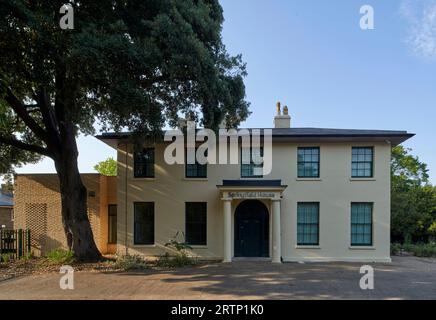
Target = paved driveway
(405,278)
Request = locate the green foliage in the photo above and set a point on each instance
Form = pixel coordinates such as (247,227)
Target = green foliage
(176,245)
(127,64)
(107,167)
(179,256)
(60,256)
(6,258)
(131,262)
(419,250)
(413,199)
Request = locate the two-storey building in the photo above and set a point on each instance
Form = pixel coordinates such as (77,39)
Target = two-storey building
(327,198)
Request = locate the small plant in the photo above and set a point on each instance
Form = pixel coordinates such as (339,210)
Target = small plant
(176,245)
(131,262)
(180,257)
(5,258)
(60,256)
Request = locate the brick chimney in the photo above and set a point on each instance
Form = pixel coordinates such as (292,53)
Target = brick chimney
(282,120)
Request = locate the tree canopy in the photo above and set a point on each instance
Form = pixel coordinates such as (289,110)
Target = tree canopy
(107,167)
(413,202)
(128,64)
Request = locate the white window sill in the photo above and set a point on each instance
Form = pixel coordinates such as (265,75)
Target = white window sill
(362,248)
(307,247)
(308,179)
(144,179)
(363,179)
(195,179)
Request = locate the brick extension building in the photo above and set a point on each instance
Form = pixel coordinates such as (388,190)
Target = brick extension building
(38,208)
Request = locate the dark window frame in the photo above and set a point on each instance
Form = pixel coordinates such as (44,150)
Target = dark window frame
(188,241)
(109,237)
(311,162)
(362,162)
(362,244)
(302,244)
(149,171)
(145,243)
(251,165)
(198,167)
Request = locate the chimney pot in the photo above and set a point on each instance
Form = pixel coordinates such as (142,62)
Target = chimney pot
(282,120)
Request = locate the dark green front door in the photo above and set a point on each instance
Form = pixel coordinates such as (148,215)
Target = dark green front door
(251,229)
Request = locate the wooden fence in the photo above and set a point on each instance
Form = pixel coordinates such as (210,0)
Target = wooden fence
(14,243)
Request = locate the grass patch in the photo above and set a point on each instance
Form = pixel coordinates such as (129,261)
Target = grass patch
(60,256)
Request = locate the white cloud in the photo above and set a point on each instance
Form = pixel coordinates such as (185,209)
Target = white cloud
(421,19)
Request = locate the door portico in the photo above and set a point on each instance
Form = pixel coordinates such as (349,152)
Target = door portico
(235,192)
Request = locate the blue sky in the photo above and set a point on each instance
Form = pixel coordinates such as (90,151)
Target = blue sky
(313,56)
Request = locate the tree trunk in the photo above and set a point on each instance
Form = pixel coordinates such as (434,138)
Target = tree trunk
(74,200)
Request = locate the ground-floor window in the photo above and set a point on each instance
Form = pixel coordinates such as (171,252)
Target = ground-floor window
(112,223)
(361,224)
(308,223)
(196,223)
(144,223)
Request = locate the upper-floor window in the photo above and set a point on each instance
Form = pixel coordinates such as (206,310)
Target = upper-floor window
(250,159)
(144,163)
(308,162)
(196,223)
(361,224)
(362,162)
(195,170)
(308,223)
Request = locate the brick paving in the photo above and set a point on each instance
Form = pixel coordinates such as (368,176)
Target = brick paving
(405,278)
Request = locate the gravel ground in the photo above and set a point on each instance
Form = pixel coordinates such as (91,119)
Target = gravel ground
(41,266)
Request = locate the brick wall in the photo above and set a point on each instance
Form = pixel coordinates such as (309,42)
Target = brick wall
(38,208)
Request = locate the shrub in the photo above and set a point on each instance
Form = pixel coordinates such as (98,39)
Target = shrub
(425,250)
(395,249)
(60,256)
(131,262)
(419,250)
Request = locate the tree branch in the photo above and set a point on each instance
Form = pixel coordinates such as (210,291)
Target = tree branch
(21,111)
(24,146)
(48,116)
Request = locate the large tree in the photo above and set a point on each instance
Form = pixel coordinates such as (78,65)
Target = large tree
(130,64)
(413,198)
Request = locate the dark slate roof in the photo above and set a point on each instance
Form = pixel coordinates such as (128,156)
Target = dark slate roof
(251,183)
(6,200)
(325,132)
(308,135)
